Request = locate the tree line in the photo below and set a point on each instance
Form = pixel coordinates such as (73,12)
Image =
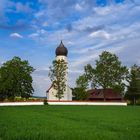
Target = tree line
(108,72)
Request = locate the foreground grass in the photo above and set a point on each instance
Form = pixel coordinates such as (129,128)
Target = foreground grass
(70,123)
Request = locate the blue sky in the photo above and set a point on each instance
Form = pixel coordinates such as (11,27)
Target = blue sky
(32,29)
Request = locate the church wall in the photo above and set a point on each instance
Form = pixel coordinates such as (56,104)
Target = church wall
(66,96)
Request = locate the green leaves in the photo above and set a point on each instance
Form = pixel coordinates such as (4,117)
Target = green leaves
(80,93)
(82,81)
(15,78)
(57,74)
(133,92)
(108,73)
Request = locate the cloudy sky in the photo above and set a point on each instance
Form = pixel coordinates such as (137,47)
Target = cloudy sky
(32,29)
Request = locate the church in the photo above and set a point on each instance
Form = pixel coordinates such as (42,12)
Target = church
(61,53)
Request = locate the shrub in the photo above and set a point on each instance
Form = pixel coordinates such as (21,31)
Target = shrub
(46,102)
(138,102)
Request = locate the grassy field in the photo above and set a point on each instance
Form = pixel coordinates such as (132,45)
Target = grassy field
(70,123)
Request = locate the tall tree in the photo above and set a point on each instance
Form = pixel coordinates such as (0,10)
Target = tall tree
(133,92)
(57,74)
(108,73)
(16,79)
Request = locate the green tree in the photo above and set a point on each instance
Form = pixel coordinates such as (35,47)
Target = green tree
(79,92)
(90,75)
(82,81)
(108,73)
(57,74)
(133,92)
(16,79)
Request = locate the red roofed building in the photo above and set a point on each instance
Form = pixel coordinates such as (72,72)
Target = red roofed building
(104,95)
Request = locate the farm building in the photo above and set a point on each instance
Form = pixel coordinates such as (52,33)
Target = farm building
(104,95)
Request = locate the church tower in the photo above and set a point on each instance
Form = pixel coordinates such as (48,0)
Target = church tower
(61,53)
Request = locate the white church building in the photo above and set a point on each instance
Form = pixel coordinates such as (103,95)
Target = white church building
(61,53)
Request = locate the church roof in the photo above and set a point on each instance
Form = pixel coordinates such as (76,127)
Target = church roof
(61,50)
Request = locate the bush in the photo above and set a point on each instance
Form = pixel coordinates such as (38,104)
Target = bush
(46,102)
(130,102)
(2,97)
(138,102)
(11,99)
(17,98)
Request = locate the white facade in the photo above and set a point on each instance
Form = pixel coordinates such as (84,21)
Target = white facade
(67,96)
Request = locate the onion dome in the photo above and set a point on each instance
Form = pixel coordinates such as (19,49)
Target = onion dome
(61,50)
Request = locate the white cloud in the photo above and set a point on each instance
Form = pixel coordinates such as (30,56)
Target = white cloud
(38,34)
(4,5)
(16,35)
(45,24)
(78,7)
(102,34)
(102,11)
(70,43)
(33,35)
(40,14)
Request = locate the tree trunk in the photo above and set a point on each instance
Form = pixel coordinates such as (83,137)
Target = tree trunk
(104,94)
(134,101)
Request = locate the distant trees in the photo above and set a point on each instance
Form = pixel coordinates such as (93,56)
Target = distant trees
(133,92)
(57,74)
(16,79)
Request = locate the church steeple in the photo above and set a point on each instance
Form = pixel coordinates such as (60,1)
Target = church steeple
(61,54)
(61,50)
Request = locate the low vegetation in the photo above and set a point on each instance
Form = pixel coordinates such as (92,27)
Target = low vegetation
(70,123)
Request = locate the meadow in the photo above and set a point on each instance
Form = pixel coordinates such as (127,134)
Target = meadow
(70,123)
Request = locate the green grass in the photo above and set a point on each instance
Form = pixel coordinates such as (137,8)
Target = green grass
(70,123)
